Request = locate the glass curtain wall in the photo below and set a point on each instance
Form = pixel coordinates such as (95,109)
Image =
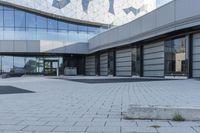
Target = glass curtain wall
(26,65)
(176,57)
(17,24)
(111,63)
(136,61)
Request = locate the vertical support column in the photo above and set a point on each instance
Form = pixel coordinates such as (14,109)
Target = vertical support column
(190,58)
(97,64)
(141,61)
(114,62)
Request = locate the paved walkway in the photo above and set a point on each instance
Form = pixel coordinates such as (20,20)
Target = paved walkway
(61,106)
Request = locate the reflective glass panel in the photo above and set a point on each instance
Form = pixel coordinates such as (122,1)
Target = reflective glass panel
(19,65)
(30,20)
(9,34)
(7,64)
(31,34)
(8,8)
(82,28)
(1,7)
(52,24)
(9,18)
(41,22)
(175,57)
(31,65)
(20,19)
(73,27)
(20,34)
(62,26)
(1,18)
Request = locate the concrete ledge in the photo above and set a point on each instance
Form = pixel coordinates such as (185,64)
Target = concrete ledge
(162,112)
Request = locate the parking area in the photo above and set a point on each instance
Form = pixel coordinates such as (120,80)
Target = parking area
(65,106)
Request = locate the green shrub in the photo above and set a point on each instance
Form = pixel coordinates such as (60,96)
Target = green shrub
(178,117)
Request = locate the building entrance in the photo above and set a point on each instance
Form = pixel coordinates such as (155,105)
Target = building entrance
(176,57)
(51,67)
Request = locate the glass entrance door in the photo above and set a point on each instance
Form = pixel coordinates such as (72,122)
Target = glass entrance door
(51,67)
(176,57)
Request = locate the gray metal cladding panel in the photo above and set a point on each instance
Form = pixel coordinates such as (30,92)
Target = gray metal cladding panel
(154,73)
(123,51)
(153,45)
(196,42)
(154,67)
(196,50)
(123,68)
(123,54)
(154,55)
(153,50)
(123,59)
(90,65)
(196,65)
(123,73)
(104,64)
(123,62)
(154,60)
(104,73)
(196,57)
(196,36)
(196,73)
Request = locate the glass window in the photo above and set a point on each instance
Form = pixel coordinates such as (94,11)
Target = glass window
(1,33)
(31,34)
(93,29)
(82,28)
(42,34)
(1,18)
(8,8)
(9,18)
(20,34)
(1,7)
(41,22)
(19,18)
(7,64)
(9,33)
(52,24)
(30,20)
(31,65)
(62,26)
(73,27)
(19,65)
(175,57)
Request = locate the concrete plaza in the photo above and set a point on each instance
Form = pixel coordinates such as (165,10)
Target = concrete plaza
(62,106)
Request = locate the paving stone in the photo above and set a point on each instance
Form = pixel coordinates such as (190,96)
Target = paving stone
(39,128)
(153,123)
(103,129)
(74,107)
(70,129)
(11,127)
(138,130)
(175,130)
(185,124)
(197,129)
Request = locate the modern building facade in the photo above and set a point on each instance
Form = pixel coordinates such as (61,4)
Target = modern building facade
(39,39)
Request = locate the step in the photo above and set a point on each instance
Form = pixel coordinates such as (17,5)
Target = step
(162,112)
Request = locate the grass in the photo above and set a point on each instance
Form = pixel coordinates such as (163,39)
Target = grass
(178,117)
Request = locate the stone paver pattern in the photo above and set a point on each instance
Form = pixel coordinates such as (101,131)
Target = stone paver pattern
(61,106)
